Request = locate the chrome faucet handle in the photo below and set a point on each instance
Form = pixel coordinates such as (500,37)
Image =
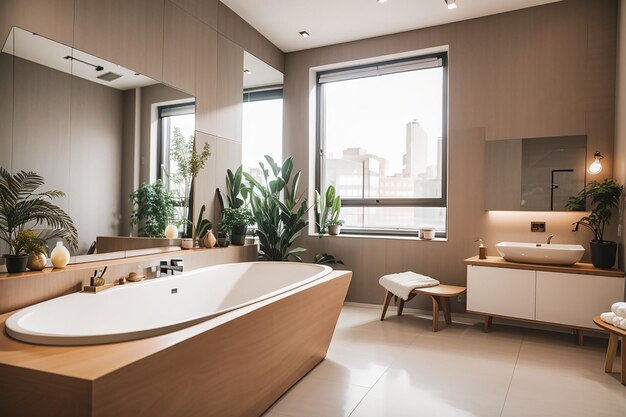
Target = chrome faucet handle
(550,239)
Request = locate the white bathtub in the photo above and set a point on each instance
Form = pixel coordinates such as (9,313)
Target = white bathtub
(157,306)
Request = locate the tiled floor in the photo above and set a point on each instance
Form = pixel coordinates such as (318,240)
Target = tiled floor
(400,368)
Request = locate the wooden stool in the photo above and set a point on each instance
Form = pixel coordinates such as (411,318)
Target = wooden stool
(614,335)
(440,295)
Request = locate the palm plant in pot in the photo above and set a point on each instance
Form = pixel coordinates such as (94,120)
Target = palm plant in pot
(236,222)
(604,198)
(21,206)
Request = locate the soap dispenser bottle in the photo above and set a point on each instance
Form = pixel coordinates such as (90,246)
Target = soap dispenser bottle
(60,256)
(482,249)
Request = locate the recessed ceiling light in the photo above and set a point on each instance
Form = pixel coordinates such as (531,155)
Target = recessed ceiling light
(247,72)
(451,4)
(382,1)
(304,34)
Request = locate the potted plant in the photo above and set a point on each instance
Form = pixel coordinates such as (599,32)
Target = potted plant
(154,209)
(236,222)
(203,235)
(327,209)
(189,162)
(604,198)
(36,249)
(21,205)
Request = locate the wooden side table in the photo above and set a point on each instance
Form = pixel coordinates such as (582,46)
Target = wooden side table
(615,333)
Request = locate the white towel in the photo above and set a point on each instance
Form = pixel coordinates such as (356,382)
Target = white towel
(403,283)
(619,322)
(608,317)
(619,309)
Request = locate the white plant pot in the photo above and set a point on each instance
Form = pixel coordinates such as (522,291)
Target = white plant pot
(427,234)
(334,229)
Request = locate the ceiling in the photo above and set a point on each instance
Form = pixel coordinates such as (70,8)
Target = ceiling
(336,21)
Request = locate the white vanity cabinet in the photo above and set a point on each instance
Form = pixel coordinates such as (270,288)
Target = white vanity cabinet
(501,291)
(563,295)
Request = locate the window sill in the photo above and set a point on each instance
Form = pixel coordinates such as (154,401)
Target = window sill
(387,237)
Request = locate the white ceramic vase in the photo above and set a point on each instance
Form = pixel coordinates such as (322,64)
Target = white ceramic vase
(171,232)
(60,256)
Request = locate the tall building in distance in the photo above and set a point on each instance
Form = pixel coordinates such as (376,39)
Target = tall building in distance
(415,159)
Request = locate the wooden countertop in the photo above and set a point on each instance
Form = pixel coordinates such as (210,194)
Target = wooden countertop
(578,268)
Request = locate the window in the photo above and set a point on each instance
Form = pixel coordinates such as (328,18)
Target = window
(262,128)
(176,128)
(382,139)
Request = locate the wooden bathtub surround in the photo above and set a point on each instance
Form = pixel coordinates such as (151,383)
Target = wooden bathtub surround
(237,364)
(21,290)
(536,293)
(615,333)
(440,296)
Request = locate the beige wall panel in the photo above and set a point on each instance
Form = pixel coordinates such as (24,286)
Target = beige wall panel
(600,86)
(179,49)
(205,10)
(619,170)
(53,19)
(206,80)
(95,160)
(129,33)
(229,89)
(6,110)
(41,128)
(239,31)
(535,73)
(204,187)
(130,154)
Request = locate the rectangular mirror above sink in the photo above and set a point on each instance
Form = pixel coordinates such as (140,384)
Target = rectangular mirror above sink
(535,174)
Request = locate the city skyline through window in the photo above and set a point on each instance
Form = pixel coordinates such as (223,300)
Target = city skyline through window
(383,148)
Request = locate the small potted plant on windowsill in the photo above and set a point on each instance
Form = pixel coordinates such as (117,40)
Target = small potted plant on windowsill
(604,197)
(334,228)
(327,210)
(236,222)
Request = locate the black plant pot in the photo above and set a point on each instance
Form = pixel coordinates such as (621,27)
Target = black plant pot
(238,235)
(603,253)
(16,263)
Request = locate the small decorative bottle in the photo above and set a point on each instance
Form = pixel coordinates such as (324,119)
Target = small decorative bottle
(60,256)
(482,250)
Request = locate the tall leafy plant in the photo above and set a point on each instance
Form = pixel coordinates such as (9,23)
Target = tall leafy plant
(21,206)
(278,210)
(604,197)
(236,192)
(154,208)
(189,162)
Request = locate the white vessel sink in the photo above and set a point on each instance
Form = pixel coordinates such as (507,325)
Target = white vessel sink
(540,253)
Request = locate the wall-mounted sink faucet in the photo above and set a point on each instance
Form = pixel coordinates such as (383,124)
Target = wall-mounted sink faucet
(549,239)
(174,266)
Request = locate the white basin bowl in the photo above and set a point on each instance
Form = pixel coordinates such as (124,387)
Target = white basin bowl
(540,253)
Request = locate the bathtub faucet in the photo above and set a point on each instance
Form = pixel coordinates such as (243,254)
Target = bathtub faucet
(175,265)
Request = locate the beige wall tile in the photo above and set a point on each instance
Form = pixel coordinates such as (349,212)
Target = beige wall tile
(229,89)
(179,48)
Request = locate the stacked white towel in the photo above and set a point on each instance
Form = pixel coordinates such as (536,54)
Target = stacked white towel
(617,315)
(403,283)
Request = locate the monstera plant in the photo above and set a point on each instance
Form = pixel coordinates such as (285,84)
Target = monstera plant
(22,207)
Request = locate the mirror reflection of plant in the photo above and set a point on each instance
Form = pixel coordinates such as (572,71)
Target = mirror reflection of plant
(235,217)
(202,226)
(22,206)
(153,209)
(27,242)
(604,197)
(189,162)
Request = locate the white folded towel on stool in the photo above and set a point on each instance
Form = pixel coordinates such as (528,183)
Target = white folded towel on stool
(403,283)
(608,317)
(619,309)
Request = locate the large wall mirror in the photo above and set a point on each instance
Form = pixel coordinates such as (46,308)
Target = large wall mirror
(535,174)
(93,129)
